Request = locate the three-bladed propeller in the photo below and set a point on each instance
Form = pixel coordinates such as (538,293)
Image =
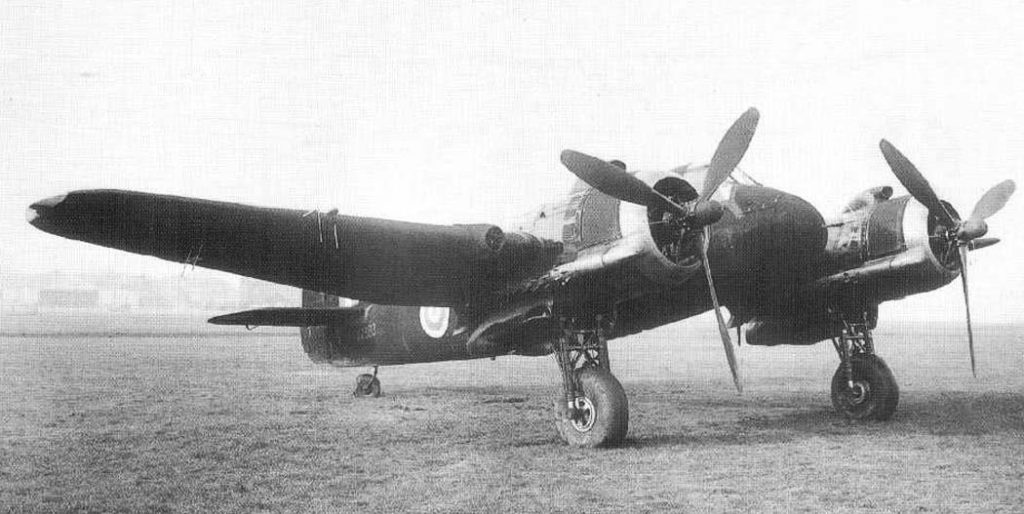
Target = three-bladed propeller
(958,234)
(696,213)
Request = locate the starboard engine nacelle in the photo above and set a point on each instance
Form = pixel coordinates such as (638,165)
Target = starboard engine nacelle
(881,249)
(886,251)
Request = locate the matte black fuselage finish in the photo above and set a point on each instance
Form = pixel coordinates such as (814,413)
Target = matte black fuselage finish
(386,334)
(767,242)
(766,249)
(775,264)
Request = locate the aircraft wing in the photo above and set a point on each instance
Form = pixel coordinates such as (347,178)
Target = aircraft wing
(376,260)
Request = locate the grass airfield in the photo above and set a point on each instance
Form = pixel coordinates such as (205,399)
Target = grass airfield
(247,423)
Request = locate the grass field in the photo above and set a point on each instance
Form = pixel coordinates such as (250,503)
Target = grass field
(246,423)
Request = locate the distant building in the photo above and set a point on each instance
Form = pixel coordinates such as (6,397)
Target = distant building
(68,299)
(205,291)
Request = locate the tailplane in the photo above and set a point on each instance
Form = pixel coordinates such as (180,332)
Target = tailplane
(291,317)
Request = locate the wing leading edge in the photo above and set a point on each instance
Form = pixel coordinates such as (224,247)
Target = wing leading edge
(376,260)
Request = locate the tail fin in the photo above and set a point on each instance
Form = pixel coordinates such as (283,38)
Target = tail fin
(337,338)
(315,299)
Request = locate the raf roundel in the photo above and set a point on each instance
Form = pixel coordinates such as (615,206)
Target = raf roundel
(434,321)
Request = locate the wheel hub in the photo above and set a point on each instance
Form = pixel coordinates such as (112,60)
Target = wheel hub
(583,414)
(859,392)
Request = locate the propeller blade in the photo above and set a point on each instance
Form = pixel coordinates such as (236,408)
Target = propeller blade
(983,242)
(606,177)
(989,204)
(971,228)
(915,182)
(615,181)
(967,305)
(730,151)
(993,200)
(723,330)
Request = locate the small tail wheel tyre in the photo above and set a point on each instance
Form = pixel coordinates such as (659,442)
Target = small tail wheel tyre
(874,395)
(367,385)
(602,413)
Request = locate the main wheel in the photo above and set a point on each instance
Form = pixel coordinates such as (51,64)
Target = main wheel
(602,412)
(874,395)
(367,385)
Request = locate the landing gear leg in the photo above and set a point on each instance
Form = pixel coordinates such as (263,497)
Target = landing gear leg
(863,387)
(593,410)
(367,385)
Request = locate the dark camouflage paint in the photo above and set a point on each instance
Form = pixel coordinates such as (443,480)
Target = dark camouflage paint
(767,251)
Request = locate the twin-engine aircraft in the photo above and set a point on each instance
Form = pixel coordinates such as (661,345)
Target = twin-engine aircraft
(626,251)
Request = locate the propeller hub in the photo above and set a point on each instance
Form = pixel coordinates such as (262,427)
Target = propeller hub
(704,214)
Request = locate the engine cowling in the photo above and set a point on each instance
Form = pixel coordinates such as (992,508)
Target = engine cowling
(883,250)
(600,232)
(886,250)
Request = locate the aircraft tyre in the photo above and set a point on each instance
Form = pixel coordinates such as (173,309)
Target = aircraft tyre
(367,385)
(603,409)
(875,394)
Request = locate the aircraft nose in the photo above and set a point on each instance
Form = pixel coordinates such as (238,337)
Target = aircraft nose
(39,212)
(776,235)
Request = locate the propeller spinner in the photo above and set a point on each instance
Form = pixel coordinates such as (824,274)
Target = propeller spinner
(617,183)
(959,235)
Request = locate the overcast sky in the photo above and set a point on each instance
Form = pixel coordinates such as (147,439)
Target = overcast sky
(456,112)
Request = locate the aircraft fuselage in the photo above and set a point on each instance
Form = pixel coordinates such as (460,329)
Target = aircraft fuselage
(766,243)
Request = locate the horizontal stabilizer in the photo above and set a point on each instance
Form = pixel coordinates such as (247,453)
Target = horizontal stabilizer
(290,316)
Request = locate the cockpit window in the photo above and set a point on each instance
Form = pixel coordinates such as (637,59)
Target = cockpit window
(695,175)
(741,177)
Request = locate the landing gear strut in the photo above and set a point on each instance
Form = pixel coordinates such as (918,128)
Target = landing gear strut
(593,410)
(367,385)
(863,387)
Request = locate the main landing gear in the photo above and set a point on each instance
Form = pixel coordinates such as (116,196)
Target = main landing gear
(367,385)
(863,387)
(593,410)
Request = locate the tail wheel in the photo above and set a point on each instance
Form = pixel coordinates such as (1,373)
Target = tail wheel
(874,395)
(367,385)
(601,415)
